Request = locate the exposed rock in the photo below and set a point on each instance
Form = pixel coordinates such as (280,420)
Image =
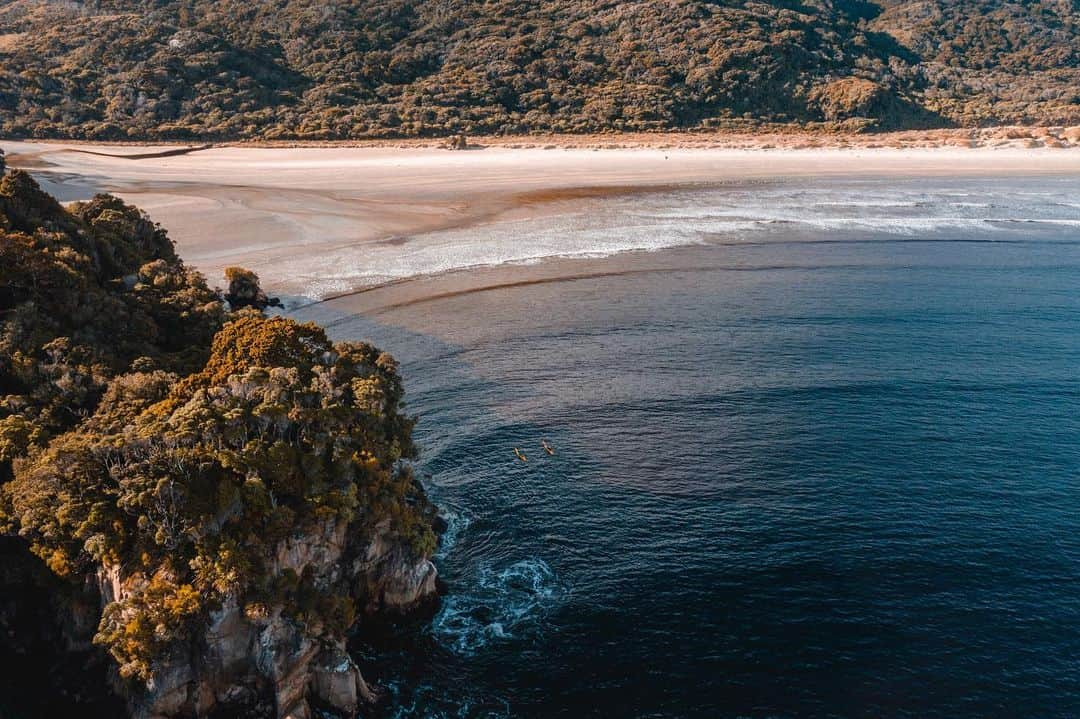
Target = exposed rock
(273,666)
(301,711)
(389,580)
(457,142)
(244,290)
(337,684)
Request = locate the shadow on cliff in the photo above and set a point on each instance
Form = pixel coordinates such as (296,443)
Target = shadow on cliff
(41,674)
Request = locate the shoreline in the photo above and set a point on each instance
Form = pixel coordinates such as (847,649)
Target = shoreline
(292,213)
(770,137)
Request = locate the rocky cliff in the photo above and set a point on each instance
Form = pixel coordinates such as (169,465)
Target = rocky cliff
(197,500)
(272,665)
(238,664)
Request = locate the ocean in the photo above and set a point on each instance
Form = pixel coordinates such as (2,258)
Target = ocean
(816,452)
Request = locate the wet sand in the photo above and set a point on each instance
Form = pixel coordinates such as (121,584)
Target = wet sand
(271,208)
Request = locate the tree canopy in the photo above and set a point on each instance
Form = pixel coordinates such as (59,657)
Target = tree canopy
(146,430)
(118,69)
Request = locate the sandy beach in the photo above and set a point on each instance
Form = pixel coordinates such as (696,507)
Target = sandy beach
(264,207)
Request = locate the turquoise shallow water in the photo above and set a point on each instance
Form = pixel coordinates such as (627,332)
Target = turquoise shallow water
(823,462)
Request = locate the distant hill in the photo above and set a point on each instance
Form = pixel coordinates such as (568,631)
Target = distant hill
(310,69)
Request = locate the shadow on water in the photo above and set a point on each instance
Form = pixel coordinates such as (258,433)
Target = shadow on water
(839,487)
(499,591)
(813,479)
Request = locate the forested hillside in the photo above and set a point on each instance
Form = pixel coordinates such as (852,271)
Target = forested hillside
(115,69)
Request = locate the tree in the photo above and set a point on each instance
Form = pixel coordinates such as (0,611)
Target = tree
(84,292)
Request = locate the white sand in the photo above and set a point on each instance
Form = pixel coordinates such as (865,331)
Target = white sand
(264,208)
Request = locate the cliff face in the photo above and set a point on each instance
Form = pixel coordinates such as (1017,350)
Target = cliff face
(272,665)
(47,662)
(237,664)
(213,497)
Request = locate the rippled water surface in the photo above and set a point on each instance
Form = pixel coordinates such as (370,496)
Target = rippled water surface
(817,453)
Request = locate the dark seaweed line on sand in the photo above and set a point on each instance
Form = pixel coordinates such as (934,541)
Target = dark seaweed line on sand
(147,155)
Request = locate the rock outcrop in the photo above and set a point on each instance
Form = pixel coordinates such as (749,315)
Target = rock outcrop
(389,580)
(457,142)
(271,665)
(244,290)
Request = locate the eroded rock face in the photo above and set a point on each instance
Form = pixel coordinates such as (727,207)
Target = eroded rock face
(388,579)
(336,682)
(274,666)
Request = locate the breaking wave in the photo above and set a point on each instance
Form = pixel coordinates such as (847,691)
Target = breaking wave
(647,223)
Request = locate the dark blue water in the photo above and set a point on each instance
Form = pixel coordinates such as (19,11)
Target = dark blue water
(812,472)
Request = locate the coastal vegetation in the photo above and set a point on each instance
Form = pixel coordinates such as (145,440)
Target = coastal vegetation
(173,456)
(300,69)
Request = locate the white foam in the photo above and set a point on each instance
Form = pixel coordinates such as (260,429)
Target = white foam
(1039,221)
(457,521)
(868,203)
(412,700)
(503,604)
(897,225)
(489,245)
(657,222)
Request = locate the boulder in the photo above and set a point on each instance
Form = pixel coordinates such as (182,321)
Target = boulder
(336,681)
(244,290)
(457,142)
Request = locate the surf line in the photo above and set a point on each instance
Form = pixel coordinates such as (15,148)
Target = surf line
(547,280)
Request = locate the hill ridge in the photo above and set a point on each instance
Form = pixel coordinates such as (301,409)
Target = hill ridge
(301,69)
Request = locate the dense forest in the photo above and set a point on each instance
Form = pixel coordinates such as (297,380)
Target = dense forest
(306,69)
(190,473)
